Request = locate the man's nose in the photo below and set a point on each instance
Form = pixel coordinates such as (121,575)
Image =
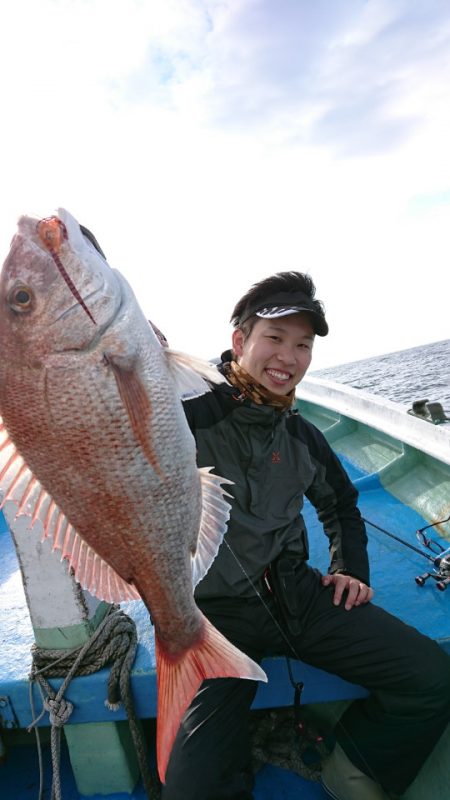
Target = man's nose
(286,353)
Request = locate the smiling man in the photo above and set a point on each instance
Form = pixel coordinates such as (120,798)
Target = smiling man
(278,353)
(262,594)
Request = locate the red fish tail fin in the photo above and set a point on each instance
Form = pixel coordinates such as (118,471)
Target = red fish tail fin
(178,682)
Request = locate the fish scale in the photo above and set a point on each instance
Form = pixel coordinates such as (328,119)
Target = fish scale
(97,449)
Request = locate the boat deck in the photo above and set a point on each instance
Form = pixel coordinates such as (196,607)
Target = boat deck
(19,780)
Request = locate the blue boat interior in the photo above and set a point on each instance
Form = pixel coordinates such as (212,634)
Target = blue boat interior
(393,571)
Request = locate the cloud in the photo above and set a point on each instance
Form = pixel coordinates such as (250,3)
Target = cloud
(341,75)
(361,125)
(208,143)
(376,80)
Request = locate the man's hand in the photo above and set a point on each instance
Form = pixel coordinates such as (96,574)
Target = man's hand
(358,592)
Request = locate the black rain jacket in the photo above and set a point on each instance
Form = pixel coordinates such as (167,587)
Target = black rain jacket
(274,458)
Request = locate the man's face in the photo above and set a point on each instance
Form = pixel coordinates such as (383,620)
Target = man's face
(278,351)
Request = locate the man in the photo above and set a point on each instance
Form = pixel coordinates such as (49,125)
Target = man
(327,621)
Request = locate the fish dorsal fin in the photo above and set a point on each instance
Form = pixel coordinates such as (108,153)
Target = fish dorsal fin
(20,486)
(213,523)
(191,374)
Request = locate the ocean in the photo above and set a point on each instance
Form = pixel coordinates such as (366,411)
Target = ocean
(404,376)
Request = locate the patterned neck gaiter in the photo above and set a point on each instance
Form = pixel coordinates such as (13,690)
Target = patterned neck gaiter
(253,390)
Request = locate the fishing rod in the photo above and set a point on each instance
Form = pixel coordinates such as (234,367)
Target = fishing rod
(440,561)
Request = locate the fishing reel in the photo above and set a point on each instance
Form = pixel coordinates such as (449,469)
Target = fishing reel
(441,572)
(440,558)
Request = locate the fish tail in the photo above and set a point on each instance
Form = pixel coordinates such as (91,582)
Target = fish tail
(179,680)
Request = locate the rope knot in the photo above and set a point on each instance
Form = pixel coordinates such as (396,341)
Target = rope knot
(113,642)
(59,711)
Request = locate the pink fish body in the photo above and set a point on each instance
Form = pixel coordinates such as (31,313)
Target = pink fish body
(94,444)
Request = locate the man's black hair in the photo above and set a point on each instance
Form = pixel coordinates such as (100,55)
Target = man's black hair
(280,282)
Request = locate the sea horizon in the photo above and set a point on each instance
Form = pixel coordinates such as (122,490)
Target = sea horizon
(403,376)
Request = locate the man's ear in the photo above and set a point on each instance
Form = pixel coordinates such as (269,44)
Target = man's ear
(237,339)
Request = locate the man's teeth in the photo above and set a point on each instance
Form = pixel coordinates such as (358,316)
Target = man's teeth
(280,376)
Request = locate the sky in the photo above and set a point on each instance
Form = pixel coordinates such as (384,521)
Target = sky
(211,143)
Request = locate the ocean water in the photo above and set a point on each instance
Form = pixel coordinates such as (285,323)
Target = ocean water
(419,373)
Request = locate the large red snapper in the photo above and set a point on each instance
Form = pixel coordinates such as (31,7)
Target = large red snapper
(94,444)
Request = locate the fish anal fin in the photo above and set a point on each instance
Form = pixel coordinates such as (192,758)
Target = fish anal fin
(213,523)
(137,404)
(19,486)
(96,575)
(179,680)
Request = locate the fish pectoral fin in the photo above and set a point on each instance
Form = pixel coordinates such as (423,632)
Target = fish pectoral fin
(19,486)
(179,680)
(191,374)
(136,402)
(213,522)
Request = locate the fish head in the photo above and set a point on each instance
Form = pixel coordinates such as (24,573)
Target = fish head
(57,291)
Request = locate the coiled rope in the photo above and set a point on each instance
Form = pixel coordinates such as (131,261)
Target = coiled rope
(113,642)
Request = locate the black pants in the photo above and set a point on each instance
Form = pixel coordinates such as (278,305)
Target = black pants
(388,735)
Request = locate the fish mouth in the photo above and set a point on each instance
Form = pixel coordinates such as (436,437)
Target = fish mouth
(76,306)
(49,235)
(104,294)
(52,232)
(100,329)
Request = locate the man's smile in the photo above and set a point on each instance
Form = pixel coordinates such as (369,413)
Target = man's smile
(277,374)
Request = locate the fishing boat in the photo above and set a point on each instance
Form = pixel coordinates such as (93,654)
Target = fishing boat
(399,459)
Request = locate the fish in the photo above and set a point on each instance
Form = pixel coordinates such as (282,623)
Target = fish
(95,446)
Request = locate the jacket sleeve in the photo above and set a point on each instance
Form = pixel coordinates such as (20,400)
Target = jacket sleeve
(335,500)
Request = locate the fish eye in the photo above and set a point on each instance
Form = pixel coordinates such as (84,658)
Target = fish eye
(20,298)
